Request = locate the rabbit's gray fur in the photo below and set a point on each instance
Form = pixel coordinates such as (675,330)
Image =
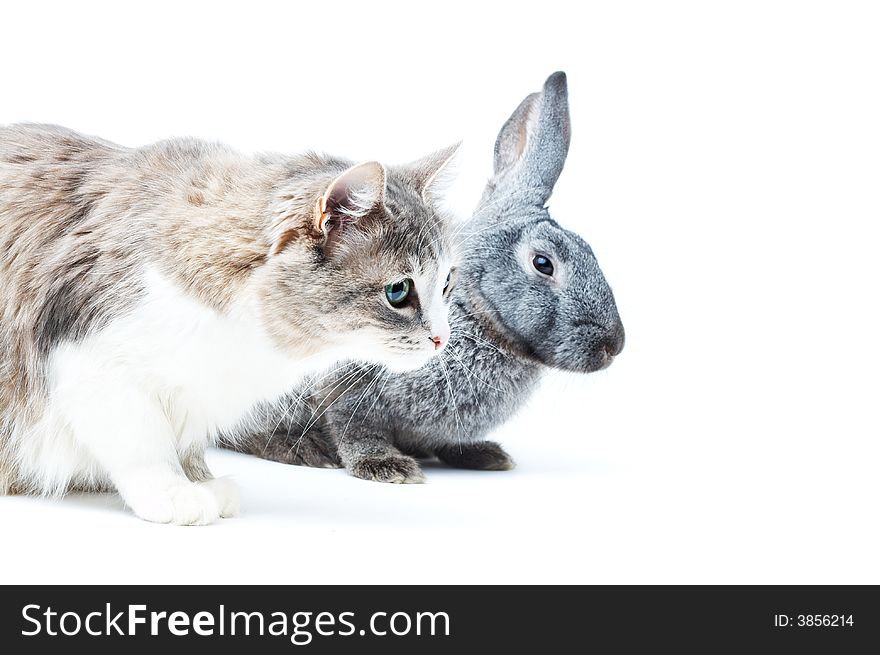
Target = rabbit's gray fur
(509,324)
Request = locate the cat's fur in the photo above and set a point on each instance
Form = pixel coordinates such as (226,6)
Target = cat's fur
(509,324)
(149,297)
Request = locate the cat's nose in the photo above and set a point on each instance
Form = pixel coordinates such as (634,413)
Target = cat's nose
(614,340)
(439,331)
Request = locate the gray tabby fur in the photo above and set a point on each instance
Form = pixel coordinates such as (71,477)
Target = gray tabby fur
(509,325)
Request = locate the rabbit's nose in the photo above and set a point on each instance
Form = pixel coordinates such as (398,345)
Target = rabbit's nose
(613,342)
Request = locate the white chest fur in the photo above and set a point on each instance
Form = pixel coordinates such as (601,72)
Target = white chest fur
(205,369)
(125,404)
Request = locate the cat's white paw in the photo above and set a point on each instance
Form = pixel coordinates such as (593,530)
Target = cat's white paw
(226,494)
(183,503)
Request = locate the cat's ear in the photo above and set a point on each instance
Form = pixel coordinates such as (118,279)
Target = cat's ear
(533,144)
(350,197)
(432,174)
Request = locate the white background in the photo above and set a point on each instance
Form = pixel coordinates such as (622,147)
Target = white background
(724,166)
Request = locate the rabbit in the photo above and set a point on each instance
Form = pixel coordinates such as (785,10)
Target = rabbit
(528,296)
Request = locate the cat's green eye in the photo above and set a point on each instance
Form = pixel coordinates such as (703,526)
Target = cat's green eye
(398,292)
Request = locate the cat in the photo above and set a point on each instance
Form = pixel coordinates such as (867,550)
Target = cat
(149,297)
(530,296)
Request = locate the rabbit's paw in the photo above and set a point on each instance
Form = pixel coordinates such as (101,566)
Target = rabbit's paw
(398,469)
(482,456)
(308,450)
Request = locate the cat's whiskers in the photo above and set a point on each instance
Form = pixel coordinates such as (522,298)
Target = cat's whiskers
(477,339)
(307,387)
(370,386)
(475,313)
(464,368)
(451,237)
(469,371)
(387,375)
(474,252)
(310,424)
(454,404)
(342,380)
(433,241)
(462,225)
(283,416)
(425,229)
(335,400)
(475,220)
(312,384)
(309,384)
(493,226)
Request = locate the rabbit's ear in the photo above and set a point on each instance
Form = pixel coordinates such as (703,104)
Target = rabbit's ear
(531,148)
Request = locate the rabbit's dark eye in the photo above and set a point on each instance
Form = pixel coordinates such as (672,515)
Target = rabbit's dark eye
(543,265)
(398,292)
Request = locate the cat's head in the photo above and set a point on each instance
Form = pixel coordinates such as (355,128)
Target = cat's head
(539,282)
(369,271)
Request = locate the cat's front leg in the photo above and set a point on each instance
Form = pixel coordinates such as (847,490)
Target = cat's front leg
(479,455)
(126,431)
(196,469)
(369,456)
